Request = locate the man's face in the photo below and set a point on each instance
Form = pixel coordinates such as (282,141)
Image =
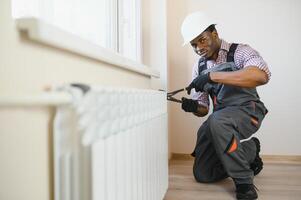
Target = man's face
(206,44)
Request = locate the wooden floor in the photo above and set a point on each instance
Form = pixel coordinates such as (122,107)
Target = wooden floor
(277,181)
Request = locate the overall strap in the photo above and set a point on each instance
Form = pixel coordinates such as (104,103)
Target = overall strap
(230,58)
(202,65)
(230,55)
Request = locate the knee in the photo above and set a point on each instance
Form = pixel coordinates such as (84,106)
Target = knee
(209,177)
(202,178)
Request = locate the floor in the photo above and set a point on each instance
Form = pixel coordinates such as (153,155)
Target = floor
(277,181)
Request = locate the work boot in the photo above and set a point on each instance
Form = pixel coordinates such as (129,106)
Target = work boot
(246,192)
(257,164)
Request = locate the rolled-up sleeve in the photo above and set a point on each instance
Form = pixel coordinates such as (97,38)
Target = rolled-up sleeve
(202,97)
(247,56)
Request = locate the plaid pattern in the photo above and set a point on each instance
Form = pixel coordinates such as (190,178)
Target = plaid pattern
(244,56)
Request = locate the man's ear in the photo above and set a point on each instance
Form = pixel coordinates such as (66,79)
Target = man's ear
(214,34)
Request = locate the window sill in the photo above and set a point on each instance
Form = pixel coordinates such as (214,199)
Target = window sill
(40,31)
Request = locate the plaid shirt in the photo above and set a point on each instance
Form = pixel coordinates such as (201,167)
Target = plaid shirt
(244,56)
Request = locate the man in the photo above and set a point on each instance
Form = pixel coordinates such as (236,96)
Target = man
(229,74)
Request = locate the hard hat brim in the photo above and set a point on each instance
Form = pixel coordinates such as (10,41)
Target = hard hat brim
(186,42)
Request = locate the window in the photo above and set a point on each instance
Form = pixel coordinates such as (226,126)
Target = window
(113,24)
(130,29)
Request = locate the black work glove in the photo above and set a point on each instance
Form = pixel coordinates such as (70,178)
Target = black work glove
(189,105)
(199,82)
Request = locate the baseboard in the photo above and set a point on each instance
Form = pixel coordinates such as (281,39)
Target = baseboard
(267,158)
(180,156)
(282,159)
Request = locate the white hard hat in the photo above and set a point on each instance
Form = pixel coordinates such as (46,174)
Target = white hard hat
(193,25)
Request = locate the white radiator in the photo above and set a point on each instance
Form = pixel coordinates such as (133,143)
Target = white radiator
(111,144)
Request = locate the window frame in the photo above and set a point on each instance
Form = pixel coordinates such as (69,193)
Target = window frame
(114,27)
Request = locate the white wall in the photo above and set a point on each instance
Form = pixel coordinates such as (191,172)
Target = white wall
(271,27)
(154,41)
(154,28)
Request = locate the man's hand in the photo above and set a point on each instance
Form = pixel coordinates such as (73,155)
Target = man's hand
(199,82)
(189,105)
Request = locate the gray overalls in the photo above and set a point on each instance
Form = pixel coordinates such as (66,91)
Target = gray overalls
(237,114)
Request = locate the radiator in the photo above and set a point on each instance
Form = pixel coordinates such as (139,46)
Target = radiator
(111,144)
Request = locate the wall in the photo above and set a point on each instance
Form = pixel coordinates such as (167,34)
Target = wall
(25,68)
(154,26)
(154,39)
(271,27)
(25,147)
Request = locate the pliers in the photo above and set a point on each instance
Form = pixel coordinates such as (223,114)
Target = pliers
(171,94)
